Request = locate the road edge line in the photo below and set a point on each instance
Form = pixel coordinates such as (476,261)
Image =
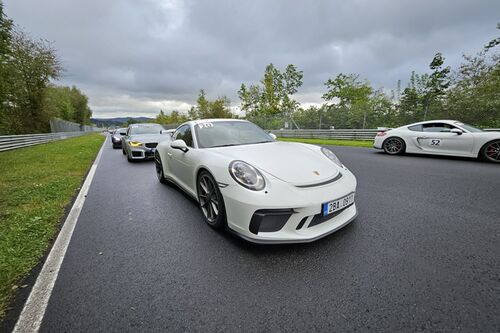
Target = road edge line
(33,311)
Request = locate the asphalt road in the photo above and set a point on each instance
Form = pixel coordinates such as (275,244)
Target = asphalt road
(423,255)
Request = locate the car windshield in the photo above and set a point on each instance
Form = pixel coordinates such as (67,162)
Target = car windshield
(145,129)
(229,133)
(469,127)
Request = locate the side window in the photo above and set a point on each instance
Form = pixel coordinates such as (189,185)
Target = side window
(437,127)
(416,128)
(188,137)
(184,133)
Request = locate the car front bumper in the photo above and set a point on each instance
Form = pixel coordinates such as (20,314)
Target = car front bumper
(285,213)
(141,153)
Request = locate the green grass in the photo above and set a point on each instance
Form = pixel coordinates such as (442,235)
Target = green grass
(36,184)
(351,143)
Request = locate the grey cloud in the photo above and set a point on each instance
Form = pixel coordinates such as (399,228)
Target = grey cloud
(154,52)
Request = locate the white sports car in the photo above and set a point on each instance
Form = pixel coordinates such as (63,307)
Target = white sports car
(265,191)
(440,137)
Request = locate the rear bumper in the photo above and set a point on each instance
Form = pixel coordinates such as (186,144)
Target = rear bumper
(378,142)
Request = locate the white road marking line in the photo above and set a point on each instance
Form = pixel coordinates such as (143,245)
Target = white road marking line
(34,309)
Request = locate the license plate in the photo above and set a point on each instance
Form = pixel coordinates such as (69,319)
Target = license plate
(330,207)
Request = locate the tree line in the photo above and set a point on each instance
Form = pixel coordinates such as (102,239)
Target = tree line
(28,96)
(469,93)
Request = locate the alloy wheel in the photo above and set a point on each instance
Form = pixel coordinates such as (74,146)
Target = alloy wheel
(159,168)
(209,200)
(492,151)
(393,146)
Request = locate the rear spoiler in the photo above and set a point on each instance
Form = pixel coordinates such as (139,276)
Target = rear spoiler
(383,129)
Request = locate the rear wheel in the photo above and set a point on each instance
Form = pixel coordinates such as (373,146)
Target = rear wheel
(159,169)
(492,151)
(210,200)
(394,146)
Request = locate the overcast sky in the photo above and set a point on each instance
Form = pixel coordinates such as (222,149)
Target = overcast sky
(135,57)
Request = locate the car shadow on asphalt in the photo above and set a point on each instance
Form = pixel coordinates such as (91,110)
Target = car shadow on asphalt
(439,157)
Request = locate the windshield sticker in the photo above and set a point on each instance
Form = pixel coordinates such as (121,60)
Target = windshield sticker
(205,125)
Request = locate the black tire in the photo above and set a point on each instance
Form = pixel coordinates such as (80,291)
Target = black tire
(394,146)
(159,169)
(491,151)
(210,200)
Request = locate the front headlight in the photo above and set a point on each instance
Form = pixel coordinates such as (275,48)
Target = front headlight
(135,143)
(246,175)
(328,153)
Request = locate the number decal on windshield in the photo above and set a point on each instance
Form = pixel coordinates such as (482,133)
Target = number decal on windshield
(205,125)
(435,142)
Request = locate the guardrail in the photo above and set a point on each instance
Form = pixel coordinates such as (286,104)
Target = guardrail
(337,134)
(8,142)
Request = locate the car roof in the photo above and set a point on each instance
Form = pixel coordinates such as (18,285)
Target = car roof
(448,121)
(212,120)
(144,124)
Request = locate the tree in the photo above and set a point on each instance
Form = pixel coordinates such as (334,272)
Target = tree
(273,97)
(348,99)
(205,109)
(175,117)
(33,65)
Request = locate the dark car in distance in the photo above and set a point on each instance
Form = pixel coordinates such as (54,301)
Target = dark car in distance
(116,137)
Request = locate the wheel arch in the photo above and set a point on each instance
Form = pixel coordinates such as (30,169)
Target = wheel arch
(483,147)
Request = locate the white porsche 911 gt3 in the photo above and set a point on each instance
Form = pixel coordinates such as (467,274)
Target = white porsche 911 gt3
(440,137)
(264,190)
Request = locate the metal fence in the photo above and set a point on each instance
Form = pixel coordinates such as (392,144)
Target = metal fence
(337,134)
(340,134)
(8,142)
(59,125)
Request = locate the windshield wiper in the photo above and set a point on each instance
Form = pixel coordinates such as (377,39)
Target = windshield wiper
(228,145)
(240,144)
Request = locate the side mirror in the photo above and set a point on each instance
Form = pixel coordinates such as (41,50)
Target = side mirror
(179,144)
(123,133)
(457,131)
(272,135)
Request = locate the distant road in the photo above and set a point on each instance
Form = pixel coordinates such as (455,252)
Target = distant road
(422,255)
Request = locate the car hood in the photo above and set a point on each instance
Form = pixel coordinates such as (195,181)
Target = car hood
(146,138)
(295,163)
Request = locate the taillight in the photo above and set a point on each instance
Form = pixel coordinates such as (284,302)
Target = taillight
(381,133)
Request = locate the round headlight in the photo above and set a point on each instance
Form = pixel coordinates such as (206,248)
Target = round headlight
(328,153)
(246,175)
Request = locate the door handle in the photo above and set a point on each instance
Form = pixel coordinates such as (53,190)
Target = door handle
(169,154)
(423,137)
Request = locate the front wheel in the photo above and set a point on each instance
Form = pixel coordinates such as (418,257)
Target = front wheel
(394,146)
(210,200)
(159,169)
(492,151)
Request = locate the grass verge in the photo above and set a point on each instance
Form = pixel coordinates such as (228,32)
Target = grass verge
(351,143)
(36,184)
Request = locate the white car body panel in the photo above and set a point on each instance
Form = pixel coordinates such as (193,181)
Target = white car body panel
(292,172)
(468,144)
